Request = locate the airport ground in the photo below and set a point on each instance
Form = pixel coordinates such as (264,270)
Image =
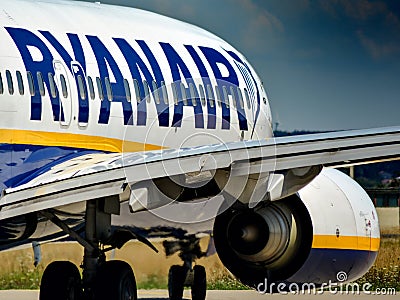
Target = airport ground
(151,269)
(211,295)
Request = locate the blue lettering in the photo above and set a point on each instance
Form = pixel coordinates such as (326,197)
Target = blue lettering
(25,39)
(79,55)
(249,76)
(136,65)
(105,60)
(177,65)
(211,121)
(214,58)
(77,66)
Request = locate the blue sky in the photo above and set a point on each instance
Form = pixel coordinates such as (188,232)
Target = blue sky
(326,65)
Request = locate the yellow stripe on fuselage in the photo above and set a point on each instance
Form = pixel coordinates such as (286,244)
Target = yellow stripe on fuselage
(346,242)
(71,140)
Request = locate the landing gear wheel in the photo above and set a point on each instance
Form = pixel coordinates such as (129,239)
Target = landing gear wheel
(115,280)
(176,280)
(199,287)
(61,280)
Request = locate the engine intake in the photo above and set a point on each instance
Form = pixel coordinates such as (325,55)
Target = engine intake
(329,228)
(271,242)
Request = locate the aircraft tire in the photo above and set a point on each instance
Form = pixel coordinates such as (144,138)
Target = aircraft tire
(115,280)
(176,280)
(199,287)
(61,280)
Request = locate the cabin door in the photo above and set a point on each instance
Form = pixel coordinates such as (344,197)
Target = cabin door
(64,93)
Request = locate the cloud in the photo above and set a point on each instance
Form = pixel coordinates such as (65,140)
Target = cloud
(356,9)
(378,50)
(259,25)
(375,25)
(263,19)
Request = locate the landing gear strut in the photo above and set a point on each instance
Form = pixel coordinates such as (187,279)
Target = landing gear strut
(101,279)
(186,275)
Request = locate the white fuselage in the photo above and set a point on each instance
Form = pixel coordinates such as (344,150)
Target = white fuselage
(141,62)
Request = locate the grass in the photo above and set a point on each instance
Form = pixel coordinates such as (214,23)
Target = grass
(386,273)
(153,281)
(17,270)
(221,279)
(24,280)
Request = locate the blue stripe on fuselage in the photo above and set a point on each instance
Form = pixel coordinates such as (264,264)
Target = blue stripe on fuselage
(21,163)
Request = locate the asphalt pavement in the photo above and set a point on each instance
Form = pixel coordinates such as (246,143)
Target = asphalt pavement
(213,295)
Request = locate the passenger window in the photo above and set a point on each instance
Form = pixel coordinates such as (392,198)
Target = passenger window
(246,94)
(53,90)
(1,85)
(202,95)
(30,83)
(164,92)
(156,92)
(64,86)
(219,98)
(175,93)
(210,95)
(20,83)
(10,83)
(233,96)
(146,91)
(225,96)
(239,92)
(91,87)
(127,90)
(81,86)
(192,94)
(108,89)
(183,93)
(100,88)
(137,90)
(41,83)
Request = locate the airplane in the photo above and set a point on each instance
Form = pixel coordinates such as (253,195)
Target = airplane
(114,118)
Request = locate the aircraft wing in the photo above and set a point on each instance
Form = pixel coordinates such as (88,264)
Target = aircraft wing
(102,175)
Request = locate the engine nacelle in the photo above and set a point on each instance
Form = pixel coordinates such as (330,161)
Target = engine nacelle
(327,232)
(18,228)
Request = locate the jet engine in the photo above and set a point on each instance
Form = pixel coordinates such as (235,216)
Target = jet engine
(327,232)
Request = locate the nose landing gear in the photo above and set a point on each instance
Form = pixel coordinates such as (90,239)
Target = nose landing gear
(186,275)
